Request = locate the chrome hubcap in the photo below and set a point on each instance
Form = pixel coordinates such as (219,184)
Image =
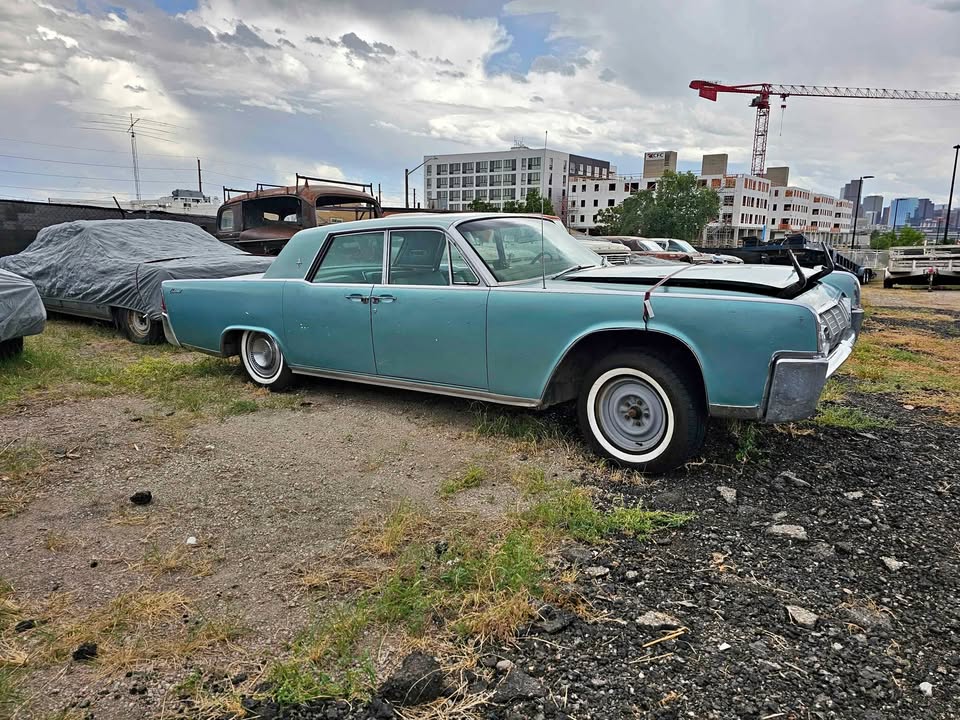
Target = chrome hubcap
(632,415)
(263,355)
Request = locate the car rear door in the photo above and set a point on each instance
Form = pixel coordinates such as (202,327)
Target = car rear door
(327,315)
(429,317)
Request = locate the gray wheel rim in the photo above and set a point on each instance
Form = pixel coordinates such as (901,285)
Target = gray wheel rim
(631,413)
(139,323)
(263,356)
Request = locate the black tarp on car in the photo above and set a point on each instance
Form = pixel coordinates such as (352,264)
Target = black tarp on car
(21,312)
(121,263)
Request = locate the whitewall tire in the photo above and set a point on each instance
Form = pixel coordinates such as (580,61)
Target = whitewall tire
(263,360)
(639,411)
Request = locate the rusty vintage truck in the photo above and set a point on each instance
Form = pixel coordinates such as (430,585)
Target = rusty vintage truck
(261,221)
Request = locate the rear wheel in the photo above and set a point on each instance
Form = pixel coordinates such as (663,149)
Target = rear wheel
(139,327)
(263,360)
(888,283)
(639,411)
(10,348)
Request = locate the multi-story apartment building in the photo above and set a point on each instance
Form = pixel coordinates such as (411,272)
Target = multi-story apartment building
(744,204)
(588,196)
(819,217)
(453,181)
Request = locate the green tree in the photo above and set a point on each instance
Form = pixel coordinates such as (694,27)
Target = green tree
(906,236)
(679,208)
(478,205)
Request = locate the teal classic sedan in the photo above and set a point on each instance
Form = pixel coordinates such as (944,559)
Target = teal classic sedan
(511,309)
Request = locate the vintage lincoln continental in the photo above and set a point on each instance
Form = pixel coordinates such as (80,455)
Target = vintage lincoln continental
(511,309)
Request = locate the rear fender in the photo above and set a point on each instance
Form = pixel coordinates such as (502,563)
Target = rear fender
(230,339)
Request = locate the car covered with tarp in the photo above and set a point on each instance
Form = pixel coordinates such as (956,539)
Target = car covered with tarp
(111,270)
(21,313)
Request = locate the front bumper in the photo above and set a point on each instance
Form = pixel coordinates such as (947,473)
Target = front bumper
(796,382)
(168,331)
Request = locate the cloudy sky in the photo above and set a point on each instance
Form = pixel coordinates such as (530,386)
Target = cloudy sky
(360,89)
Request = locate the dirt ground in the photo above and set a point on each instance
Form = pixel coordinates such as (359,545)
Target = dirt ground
(246,504)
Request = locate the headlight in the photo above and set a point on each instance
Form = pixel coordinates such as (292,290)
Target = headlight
(856,297)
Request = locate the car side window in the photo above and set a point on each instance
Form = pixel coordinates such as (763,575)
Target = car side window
(418,257)
(355,258)
(459,270)
(226,219)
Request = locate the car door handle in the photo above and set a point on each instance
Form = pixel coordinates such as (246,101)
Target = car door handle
(357,297)
(384,298)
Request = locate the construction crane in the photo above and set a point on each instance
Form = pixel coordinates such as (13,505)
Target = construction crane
(764,91)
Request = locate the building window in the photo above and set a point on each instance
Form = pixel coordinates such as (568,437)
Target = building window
(455,207)
(442,169)
(442,195)
(454,182)
(429,183)
(509,193)
(533,177)
(613,186)
(496,165)
(495,194)
(583,203)
(496,179)
(429,170)
(510,165)
(596,203)
(610,202)
(596,187)
(481,166)
(551,164)
(467,195)
(583,188)
(510,179)
(481,194)
(582,219)
(442,182)
(467,168)
(533,163)
(573,189)
(481,180)
(454,194)
(454,168)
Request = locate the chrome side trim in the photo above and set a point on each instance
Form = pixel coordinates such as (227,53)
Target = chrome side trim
(401,384)
(739,412)
(205,351)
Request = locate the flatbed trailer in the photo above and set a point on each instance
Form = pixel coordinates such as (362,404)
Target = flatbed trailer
(930,266)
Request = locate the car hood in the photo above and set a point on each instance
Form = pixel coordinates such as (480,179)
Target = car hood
(602,247)
(757,279)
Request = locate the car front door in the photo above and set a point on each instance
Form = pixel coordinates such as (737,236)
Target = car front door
(429,317)
(327,317)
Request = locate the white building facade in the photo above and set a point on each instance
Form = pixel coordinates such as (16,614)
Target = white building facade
(453,181)
(744,203)
(588,196)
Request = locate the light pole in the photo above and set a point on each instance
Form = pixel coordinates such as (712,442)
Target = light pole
(406,180)
(856,210)
(953,179)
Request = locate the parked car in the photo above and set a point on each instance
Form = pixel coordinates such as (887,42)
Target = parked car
(21,313)
(263,220)
(674,245)
(642,247)
(112,269)
(613,252)
(485,307)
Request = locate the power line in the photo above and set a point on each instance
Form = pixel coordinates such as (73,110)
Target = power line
(86,177)
(104,193)
(72,162)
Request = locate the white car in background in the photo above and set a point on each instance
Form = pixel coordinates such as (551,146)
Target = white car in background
(674,245)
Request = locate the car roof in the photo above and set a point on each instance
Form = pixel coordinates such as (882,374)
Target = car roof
(310,193)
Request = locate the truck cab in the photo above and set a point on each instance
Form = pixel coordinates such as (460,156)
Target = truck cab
(261,221)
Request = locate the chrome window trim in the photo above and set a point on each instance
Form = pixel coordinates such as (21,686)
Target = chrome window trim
(471,262)
(322,251)
(403,384)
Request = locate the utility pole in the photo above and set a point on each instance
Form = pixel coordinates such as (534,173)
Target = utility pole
(199,177)
(133,150)
(406,182)
(414,198)
(953,179)
(856,210)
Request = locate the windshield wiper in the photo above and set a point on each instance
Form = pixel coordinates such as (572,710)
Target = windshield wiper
(575,268)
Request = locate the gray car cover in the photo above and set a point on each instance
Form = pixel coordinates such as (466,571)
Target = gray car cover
(121,263)
(21,312)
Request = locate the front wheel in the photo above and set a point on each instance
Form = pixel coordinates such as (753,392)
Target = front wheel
(637,410)
(263,360)
(139,327)
(10,348)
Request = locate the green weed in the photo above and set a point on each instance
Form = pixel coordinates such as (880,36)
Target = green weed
(516,425)
(850,419)
(472,477)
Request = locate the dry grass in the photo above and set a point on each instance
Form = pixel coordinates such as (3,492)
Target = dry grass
(889,313)
(180,558)
(20,465)
(383,536)
(920,367)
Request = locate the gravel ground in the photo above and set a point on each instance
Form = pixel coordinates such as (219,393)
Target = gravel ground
(854,532)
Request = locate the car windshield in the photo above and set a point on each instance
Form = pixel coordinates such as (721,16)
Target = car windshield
(513,249)
(682,246)
(650,245)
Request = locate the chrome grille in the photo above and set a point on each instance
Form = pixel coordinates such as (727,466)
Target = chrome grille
(618,258)
(836,320)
